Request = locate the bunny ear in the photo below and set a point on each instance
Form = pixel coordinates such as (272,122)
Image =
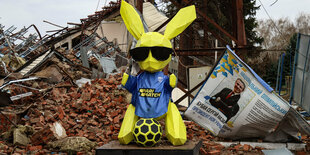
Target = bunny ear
(132,20)
(180,22)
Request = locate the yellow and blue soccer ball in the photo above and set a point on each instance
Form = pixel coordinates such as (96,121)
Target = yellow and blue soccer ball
(147,131)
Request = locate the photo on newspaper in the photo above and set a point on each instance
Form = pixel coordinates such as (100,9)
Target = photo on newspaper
(234,101)
(230,97)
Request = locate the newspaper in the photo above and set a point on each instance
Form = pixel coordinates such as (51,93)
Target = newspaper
(235,102)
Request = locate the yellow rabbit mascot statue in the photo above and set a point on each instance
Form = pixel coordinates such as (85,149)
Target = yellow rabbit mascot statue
(151,90)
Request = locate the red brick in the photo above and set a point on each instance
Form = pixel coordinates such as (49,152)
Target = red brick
(100,143)
(34,120)
(92,136)
(114,113)
(79,153)
(94,123)
(93,100)
(105,106)
(39,124)
(73,115)
(101,138)
(237,147)
(42,119)
(216,147)
(214,152)
(209,137)
(301,153)
(203,151)
(115,137)
(47,134)
(32,148)
(5,125)
(304,137)
(61,113)
(247,147)
(111,127)
(116,120)
(86,96)
(80,133)
(109,133)
(72,123)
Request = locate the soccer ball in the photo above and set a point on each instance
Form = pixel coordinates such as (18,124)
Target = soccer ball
(147,131)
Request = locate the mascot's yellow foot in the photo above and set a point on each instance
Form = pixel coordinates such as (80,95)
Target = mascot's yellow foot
(175,127)
(125,135)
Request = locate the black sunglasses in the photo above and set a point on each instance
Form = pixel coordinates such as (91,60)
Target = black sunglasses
(159,53)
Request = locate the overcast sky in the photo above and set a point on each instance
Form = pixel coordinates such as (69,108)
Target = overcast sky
(283,8)
(26,12)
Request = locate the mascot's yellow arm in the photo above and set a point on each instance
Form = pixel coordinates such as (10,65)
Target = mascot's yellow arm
(172,80)
(125,78)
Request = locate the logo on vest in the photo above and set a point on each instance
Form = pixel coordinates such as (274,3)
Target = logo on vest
(160,79)
(146,92)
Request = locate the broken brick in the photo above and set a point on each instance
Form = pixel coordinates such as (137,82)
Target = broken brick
(115,136)
(73,115)
(72,123)
(34,120)
(247,147)
(114,113)
(301,153)
(33,148)
(116,120)
(203,151)
(86,96)
(5,124)
(53,131)
(61,113)
(214,152)
(238,147)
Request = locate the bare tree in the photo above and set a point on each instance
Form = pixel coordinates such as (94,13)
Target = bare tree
(303,23)
(277,33)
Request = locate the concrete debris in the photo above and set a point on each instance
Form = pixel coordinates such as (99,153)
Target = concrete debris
(73,144)
(108,64)
(20,135)
(51,73)
(82,81)
(13,62)
(20,138)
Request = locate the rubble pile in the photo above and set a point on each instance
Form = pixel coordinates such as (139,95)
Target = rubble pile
(93,111)
(88,116)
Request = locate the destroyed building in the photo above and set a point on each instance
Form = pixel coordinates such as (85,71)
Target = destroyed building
(64,88)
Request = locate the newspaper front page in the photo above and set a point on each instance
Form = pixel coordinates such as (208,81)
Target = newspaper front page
(235,102)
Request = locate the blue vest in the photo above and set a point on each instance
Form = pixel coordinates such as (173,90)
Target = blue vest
(151,93)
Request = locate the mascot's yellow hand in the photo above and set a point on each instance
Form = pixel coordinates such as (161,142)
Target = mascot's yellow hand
(172,80)
(125,78)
